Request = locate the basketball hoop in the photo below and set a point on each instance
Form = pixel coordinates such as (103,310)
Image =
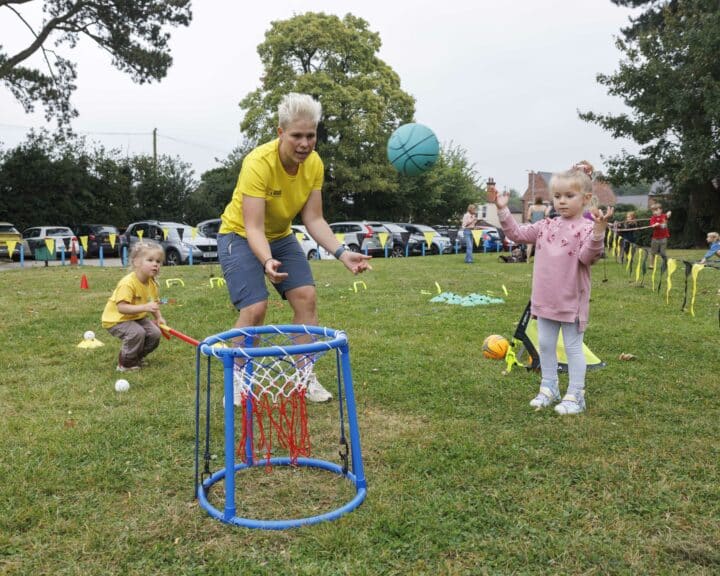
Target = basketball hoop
(271,368)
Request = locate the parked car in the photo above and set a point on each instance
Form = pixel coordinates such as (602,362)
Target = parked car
(34,241)
(313,251)
(362,236)
(99,235)
(8,233)
(210,228)
(439,244)
(176,238)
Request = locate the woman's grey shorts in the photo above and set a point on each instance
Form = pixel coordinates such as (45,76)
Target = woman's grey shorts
(244,273)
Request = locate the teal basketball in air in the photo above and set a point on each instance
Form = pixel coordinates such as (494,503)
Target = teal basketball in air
(412,149)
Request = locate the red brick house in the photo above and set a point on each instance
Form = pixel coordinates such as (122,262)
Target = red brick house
(539,184)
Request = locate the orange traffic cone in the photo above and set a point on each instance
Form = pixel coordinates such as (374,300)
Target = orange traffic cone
(84,283)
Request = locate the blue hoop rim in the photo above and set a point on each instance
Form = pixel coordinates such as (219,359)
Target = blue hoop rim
(338,338)
(360,494)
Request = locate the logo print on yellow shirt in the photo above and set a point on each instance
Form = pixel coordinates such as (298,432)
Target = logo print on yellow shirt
(275,193)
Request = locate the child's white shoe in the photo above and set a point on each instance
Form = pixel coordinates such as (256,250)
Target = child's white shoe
(571,404)
(546,397)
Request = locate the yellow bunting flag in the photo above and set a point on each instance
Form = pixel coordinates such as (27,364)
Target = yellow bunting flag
(477,234)
(672,266)
(299,236)
(616,247)
(340,237)
(629,258)
(193,232)
(655,267)
(165,233)
(639,265)
(383,236)
(112,238)
(140,234)
(695,271)
(50,243)
(84,241)
(428,238)
(11,246)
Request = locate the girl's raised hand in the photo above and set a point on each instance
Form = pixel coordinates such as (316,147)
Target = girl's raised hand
(601,218)
(500,200)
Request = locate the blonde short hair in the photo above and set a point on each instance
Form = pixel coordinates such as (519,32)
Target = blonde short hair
(294,106)
(143,247)
(713,236)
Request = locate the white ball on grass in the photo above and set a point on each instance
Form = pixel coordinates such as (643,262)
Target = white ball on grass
(89,335)
(122,385)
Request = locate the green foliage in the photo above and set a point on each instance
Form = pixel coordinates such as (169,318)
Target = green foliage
(58,181)
(670,80)
(132,32)
(335,60)
(464,478)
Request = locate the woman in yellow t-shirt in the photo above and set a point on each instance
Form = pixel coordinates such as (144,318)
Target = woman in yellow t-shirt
(278,181)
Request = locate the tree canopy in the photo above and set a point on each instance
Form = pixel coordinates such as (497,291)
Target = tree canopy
(132,32)
(670,79)
(335,60)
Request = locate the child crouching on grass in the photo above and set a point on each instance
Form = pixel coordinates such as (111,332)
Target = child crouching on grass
(565,248)
(134,298)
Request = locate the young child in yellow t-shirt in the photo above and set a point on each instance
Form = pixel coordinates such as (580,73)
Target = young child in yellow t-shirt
(135,298)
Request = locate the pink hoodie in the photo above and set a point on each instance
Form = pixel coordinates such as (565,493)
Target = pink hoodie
(564,251)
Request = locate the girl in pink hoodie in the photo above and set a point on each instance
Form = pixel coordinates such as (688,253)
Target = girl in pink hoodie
(565,248)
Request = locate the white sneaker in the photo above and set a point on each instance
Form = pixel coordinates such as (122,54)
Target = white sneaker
(546,397)
(571,404)
(237,389)
(315,390)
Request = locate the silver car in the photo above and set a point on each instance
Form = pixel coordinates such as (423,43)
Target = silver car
(179,241)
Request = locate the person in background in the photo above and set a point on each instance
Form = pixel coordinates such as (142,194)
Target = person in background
(660,234)
(536,212)
(469,220)
(713,239)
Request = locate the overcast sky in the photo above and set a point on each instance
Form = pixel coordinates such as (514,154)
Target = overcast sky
(502,80)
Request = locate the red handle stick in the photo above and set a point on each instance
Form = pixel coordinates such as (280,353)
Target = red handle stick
(167,331)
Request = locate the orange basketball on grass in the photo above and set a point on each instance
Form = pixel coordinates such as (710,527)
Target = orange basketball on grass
(495,347)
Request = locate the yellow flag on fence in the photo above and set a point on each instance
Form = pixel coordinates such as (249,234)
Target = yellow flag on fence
(11,247)
(477,234)
(639,265)
(140,234)
(50,243)
(83,241)
(165,233)
(695,271)
(299,236)
(672,266)
(383,236)
(340,237)
(193,232)
(655,267)
(629,257)
(428,238)
(112,238)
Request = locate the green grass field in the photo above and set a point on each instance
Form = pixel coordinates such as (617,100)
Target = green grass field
(463,476)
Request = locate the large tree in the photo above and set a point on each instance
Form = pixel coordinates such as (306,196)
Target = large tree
(670,79)
(335,60)
(132,32)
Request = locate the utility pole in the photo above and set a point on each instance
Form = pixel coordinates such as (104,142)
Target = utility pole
(155,150)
